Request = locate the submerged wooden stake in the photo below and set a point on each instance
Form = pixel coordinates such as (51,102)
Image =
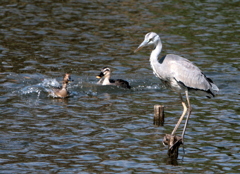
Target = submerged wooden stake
(158,119)
(173,143)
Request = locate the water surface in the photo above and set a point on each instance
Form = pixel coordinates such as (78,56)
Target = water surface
(104,129)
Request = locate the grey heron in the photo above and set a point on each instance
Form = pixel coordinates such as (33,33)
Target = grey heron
(62,92)
(105,79)
(178,74)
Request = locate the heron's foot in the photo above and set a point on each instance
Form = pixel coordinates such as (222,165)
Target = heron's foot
(172,140)
(178,142)
(166,139)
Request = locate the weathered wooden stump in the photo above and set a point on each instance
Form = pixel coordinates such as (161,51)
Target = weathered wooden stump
(173,143)
(158,119)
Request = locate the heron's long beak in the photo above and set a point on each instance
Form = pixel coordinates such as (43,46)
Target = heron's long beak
(143,44)
(100,75)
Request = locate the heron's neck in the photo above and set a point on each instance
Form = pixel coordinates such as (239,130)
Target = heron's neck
(156,52)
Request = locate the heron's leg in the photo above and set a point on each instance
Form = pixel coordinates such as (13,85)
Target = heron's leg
(182,116)
(188,114)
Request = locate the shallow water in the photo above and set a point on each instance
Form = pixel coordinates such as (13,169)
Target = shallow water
(105,129)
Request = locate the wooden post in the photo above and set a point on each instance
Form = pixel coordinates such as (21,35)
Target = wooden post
(158,119)
(173,143)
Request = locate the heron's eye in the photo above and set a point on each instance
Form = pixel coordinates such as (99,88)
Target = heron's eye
(150,40)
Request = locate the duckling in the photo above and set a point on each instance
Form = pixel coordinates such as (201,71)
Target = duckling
(62,92)
(105,75)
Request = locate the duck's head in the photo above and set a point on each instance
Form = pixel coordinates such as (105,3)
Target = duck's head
(104,72)
(67,78)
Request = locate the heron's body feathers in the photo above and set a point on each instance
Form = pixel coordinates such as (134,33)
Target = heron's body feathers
(179,73)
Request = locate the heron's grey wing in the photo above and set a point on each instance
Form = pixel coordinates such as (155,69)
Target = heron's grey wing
(185,72)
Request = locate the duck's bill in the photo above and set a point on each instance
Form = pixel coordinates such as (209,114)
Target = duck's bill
(70,79)
(100,76)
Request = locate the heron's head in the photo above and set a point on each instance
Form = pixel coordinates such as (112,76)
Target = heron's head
(150,39)
(104,72)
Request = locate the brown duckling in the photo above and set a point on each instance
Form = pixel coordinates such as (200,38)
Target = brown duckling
(105,76)
(62,92)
